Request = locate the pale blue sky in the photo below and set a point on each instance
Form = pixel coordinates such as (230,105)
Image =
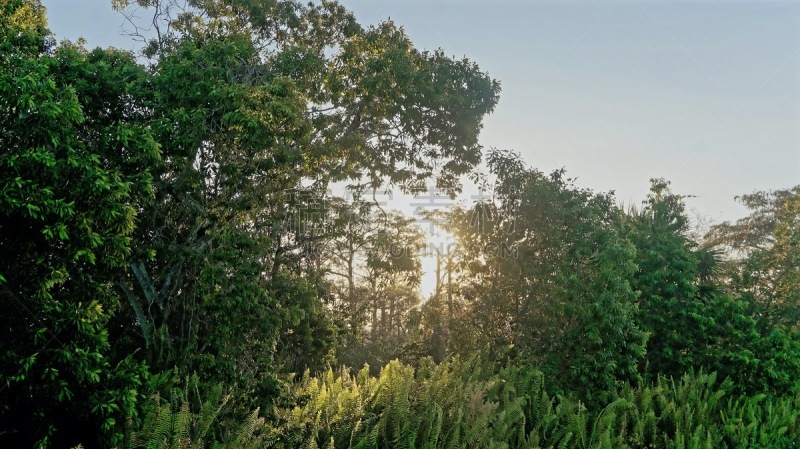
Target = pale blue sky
(706,94)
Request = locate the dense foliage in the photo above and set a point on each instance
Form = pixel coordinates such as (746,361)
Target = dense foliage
(172,257)
(467,403)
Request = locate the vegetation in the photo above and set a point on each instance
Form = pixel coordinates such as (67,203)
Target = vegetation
(468,403)
(176,271)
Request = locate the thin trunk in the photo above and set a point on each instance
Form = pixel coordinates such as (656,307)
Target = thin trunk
(350,278)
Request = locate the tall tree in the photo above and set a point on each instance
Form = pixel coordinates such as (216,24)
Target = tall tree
(764,253)
(693,323)
(544,270)
(386,271)
(669,306)
(252,102)
(250,106)
(73,178)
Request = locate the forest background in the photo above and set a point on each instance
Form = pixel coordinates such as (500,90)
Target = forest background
(176,270)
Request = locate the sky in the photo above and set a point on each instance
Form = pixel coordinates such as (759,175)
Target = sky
(704,94)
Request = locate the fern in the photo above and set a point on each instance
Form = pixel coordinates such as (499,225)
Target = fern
(173,425)
(473,404)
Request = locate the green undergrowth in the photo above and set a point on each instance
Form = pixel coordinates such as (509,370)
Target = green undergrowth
(469,404)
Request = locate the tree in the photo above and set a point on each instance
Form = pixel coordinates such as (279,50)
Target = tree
(392,271)
(354,222)
(693,323)
(252,102)
(764,249)
(384,262)
(669,306)
(157,208)
(543,269)
(761,272)
(71,182)
(383,111)
(198,277)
